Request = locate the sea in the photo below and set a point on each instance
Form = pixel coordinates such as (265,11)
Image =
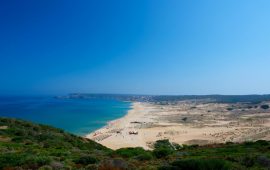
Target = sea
(77,116)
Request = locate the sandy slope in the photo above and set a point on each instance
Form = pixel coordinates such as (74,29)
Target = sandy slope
(183,123)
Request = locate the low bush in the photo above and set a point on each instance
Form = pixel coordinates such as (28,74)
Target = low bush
(262,142)
(229,109)
(46,148)
(265,106)
(163,144)
(168,167)
(163,148)
(177,146)
(130,152)
(263,161)
(162,152)
(114,164)
(85,160)
(248,161)
(9,160)
(41,160)
(199,164)
(144,156)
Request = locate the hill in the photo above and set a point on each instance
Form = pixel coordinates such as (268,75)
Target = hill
(173,98)
(24,145)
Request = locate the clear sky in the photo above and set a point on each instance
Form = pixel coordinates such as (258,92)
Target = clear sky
(135,46)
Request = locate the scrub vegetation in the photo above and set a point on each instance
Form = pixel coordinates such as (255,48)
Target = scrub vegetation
(24,145)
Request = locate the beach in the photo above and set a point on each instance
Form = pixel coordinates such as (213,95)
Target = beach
(185,122)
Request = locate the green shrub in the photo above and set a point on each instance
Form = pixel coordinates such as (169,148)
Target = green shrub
(248,161)
(193,146)
(47,148)
(17,139)
(163,148)
(248,143)
(85,160)
(163,144)
(9,160)
(144,156)
(229,143)
(16,159)
(177,146)
(189,146)
(38,160)
(43,160)
(199,164)
(162,152)
(263,161)
(130,152)
(113,164)
(262,142)
(265,106)
(168,167)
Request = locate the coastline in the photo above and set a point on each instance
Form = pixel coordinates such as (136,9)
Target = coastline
(115,134)
(182,123)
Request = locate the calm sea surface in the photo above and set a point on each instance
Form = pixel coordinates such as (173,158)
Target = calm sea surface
(78,116)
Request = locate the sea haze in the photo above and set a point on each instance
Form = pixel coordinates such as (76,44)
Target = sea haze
(78,116)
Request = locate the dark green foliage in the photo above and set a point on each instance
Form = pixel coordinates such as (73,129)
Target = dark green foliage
(85,160)
(144,156)
(10,159)
(163,144)
(261,143)
(44,135)
(229,109)
(200,164)
(229,143)
(249,107)
(32,146)
(130,152)
(162,152)
(263,161)
(190,146)
(163,148)
(184,119)
(265,106)
(114,164)
(168,167)
(135,153)
(176,146)
(248,161)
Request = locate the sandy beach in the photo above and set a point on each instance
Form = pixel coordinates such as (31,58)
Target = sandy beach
(185,122)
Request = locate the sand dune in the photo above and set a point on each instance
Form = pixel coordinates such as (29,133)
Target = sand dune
(184,122)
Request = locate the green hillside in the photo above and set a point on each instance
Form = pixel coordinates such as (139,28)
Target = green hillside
(24,145)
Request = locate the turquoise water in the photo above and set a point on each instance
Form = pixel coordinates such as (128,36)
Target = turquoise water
(78,116)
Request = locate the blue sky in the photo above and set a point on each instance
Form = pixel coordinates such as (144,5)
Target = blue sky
(128,46)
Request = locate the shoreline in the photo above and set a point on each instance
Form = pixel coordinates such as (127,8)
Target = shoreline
(183,123)
(115,134)
(108,123)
